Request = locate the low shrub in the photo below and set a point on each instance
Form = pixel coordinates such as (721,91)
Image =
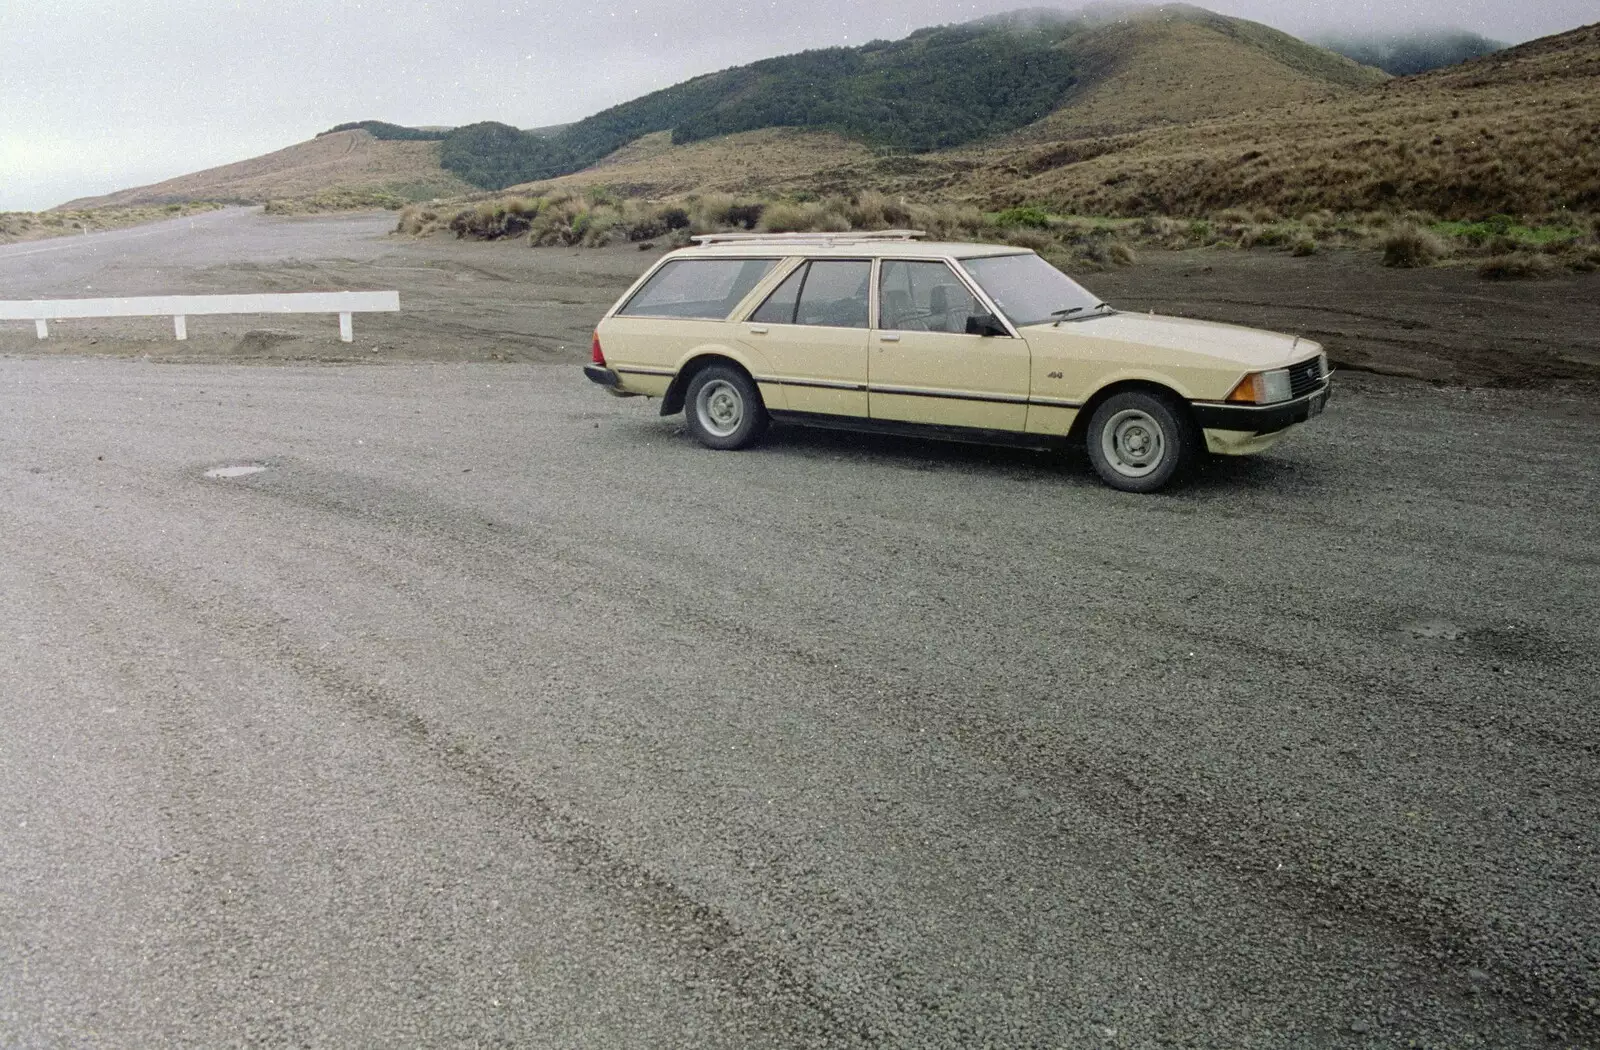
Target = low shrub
(806,217)
(714,212)
(1026,215)
(947,221)
(1034,240)
(871,210)
(1410,246)
(1517,266)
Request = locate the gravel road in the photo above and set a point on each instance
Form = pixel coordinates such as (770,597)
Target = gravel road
(493,712)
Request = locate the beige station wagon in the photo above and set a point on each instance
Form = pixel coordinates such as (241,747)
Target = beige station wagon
(973,342)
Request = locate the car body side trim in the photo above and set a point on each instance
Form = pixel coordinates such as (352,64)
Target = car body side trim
(823,384)
(937,431)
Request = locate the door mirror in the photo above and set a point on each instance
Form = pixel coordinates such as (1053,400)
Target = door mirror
(985,324)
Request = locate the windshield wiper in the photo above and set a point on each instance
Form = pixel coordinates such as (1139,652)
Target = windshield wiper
(1066,315)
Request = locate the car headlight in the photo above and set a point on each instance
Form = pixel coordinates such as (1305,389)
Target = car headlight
(1264,388)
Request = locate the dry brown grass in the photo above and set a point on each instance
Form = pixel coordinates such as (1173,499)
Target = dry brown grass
(345,161)
(1518,266)
(767,162)
(1513,133)
(1144,72)
(824,217)
(1410,246)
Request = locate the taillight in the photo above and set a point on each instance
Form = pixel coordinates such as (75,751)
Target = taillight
(598,355)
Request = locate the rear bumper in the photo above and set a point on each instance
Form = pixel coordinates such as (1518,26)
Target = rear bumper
(1264,419)
(602,375)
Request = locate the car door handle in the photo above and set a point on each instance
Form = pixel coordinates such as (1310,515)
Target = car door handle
(758,329)
(889,337)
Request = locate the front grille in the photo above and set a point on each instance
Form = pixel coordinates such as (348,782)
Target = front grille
(1305,377)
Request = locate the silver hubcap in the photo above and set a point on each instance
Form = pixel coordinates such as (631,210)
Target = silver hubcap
(720,407)
(1133,443)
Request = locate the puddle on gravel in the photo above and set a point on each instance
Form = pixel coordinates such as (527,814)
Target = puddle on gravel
(1436,630)
(236,471)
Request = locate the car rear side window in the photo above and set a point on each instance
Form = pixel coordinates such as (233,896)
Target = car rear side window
(701,288)
(835,294)
(780,305)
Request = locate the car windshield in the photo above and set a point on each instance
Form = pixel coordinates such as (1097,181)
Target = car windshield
(1029,290)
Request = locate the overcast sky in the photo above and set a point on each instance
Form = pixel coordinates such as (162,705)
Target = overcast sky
(98,95)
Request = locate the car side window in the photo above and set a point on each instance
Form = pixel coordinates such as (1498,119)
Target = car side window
(923,297)
(834,293)
(701,288)
(780,305)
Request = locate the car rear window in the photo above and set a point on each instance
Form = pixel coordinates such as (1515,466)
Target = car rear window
(703,288)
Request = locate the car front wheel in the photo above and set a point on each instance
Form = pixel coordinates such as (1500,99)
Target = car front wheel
(724,409)
(1139,441)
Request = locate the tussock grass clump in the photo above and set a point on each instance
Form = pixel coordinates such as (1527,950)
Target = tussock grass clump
(718,212)
(1034,240)
(1517,266)
(947,222)
(1409,246)
(806,217)
(871,210)
(558,222)
(486,221)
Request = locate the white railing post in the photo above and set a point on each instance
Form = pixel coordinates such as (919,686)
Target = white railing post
(180,326)
(346,329)
(42,328)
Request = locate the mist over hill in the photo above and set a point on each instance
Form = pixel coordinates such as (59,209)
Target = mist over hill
(1406,54)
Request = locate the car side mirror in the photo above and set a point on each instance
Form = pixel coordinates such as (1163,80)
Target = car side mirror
(985,324)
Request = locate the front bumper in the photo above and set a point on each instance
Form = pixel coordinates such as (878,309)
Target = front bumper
(1260,419)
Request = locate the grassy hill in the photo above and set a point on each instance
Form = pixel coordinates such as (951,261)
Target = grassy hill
(344,165)
(945,87)
(1514,132)
(1175,64)
(1178,116)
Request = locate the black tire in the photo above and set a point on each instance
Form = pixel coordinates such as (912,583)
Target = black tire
(723,409)
(1139,441)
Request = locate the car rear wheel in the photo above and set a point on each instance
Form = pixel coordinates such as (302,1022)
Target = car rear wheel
(724,409)
(1139,441)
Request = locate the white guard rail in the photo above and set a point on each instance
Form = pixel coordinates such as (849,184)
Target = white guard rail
(179,307)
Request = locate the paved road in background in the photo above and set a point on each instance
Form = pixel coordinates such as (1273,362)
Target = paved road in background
(494,712)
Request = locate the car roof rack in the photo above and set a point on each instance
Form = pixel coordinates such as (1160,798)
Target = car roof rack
(823,238)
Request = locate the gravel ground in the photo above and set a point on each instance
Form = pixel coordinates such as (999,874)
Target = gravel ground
(494,712)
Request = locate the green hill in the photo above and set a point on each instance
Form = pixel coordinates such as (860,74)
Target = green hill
(937,89)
